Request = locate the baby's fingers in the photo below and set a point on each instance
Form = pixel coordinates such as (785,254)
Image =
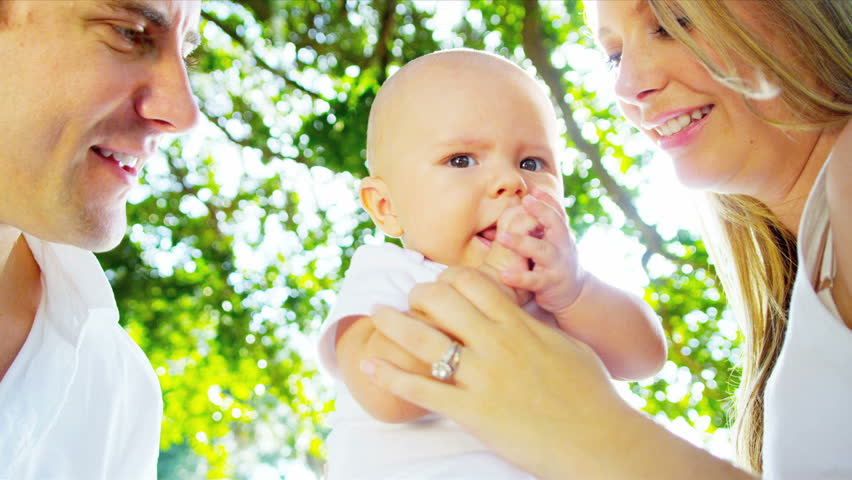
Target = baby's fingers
(546,211)
(518,221)
(540,251)
(529,280)
(546,198)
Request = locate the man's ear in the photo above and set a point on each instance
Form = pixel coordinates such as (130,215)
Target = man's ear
(376,200)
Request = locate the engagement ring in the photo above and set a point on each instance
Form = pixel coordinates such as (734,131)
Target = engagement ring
(445,369)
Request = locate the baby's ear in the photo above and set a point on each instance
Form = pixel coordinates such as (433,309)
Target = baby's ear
(376,200)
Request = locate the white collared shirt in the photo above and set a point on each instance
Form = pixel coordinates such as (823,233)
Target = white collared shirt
(81,400)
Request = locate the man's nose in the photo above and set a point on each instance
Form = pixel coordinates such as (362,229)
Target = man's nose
(166,100)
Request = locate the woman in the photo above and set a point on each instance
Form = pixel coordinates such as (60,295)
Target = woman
(752,102)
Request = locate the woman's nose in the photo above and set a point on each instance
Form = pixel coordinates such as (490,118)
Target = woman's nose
(639,76)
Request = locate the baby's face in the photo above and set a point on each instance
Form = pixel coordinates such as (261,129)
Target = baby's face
(467,145)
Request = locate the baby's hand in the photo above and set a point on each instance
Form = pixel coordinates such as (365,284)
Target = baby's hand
(554,275)
(501,259)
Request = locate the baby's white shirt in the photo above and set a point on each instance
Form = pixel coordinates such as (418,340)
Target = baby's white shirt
(361,447)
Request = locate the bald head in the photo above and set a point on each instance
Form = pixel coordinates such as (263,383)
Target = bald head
(438,78)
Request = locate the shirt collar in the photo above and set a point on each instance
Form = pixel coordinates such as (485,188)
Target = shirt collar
(74,280)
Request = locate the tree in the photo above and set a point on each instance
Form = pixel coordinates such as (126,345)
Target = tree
(242,230)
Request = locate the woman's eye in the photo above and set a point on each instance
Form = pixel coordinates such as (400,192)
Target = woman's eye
(462,161)
(662,32)
(532,164)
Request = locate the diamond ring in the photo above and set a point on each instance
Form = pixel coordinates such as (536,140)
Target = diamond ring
(444,369)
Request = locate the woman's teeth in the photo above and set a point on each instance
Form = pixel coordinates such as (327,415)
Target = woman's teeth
(680,122)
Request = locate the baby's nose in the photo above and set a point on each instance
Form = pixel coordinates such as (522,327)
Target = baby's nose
(510,185)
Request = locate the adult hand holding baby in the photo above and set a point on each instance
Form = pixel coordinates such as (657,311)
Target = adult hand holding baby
(518,356)
(524,381)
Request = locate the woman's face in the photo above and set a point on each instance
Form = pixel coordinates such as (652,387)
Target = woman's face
(715,141)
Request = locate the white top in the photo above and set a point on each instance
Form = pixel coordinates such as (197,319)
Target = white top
(80,401)
(361,447)
(808,416)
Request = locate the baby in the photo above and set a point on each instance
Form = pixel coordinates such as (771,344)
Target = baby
(462,148)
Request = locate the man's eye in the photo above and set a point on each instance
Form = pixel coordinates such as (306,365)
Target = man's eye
(134,36)
(532,164)
(614,60)
(191,62)
(462,161)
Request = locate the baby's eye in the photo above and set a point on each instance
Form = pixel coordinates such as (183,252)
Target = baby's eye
(532,164)
(462,161)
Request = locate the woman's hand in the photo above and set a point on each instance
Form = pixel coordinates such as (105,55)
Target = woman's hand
(520,385)
(533,394)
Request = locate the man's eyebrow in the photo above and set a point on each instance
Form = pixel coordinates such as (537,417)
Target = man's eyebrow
(143,10)
(156,17)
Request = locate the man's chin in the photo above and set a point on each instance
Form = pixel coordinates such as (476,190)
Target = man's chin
(100,235)
(107,242)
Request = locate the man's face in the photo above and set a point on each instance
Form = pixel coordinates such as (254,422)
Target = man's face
(90,87)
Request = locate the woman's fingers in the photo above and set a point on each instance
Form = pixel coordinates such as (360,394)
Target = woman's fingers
(418,338)
(426,392)
(492,304)
(521,397)
(425,342)
(440,304)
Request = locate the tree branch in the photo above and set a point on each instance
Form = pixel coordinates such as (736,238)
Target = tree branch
(232,32)
(535,50)
(265,151)
(381,56)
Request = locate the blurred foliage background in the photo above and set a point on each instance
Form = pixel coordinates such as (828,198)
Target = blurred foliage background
(242,229)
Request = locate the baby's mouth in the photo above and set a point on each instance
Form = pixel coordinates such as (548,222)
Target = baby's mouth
(489,234)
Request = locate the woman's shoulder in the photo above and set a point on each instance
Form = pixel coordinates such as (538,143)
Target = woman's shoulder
(838,191)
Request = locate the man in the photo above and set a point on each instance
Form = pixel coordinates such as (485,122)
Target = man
(89,87)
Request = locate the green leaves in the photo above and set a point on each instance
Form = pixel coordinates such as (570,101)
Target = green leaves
(241,231)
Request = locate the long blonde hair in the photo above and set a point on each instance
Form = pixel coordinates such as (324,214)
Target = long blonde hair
(754,253)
